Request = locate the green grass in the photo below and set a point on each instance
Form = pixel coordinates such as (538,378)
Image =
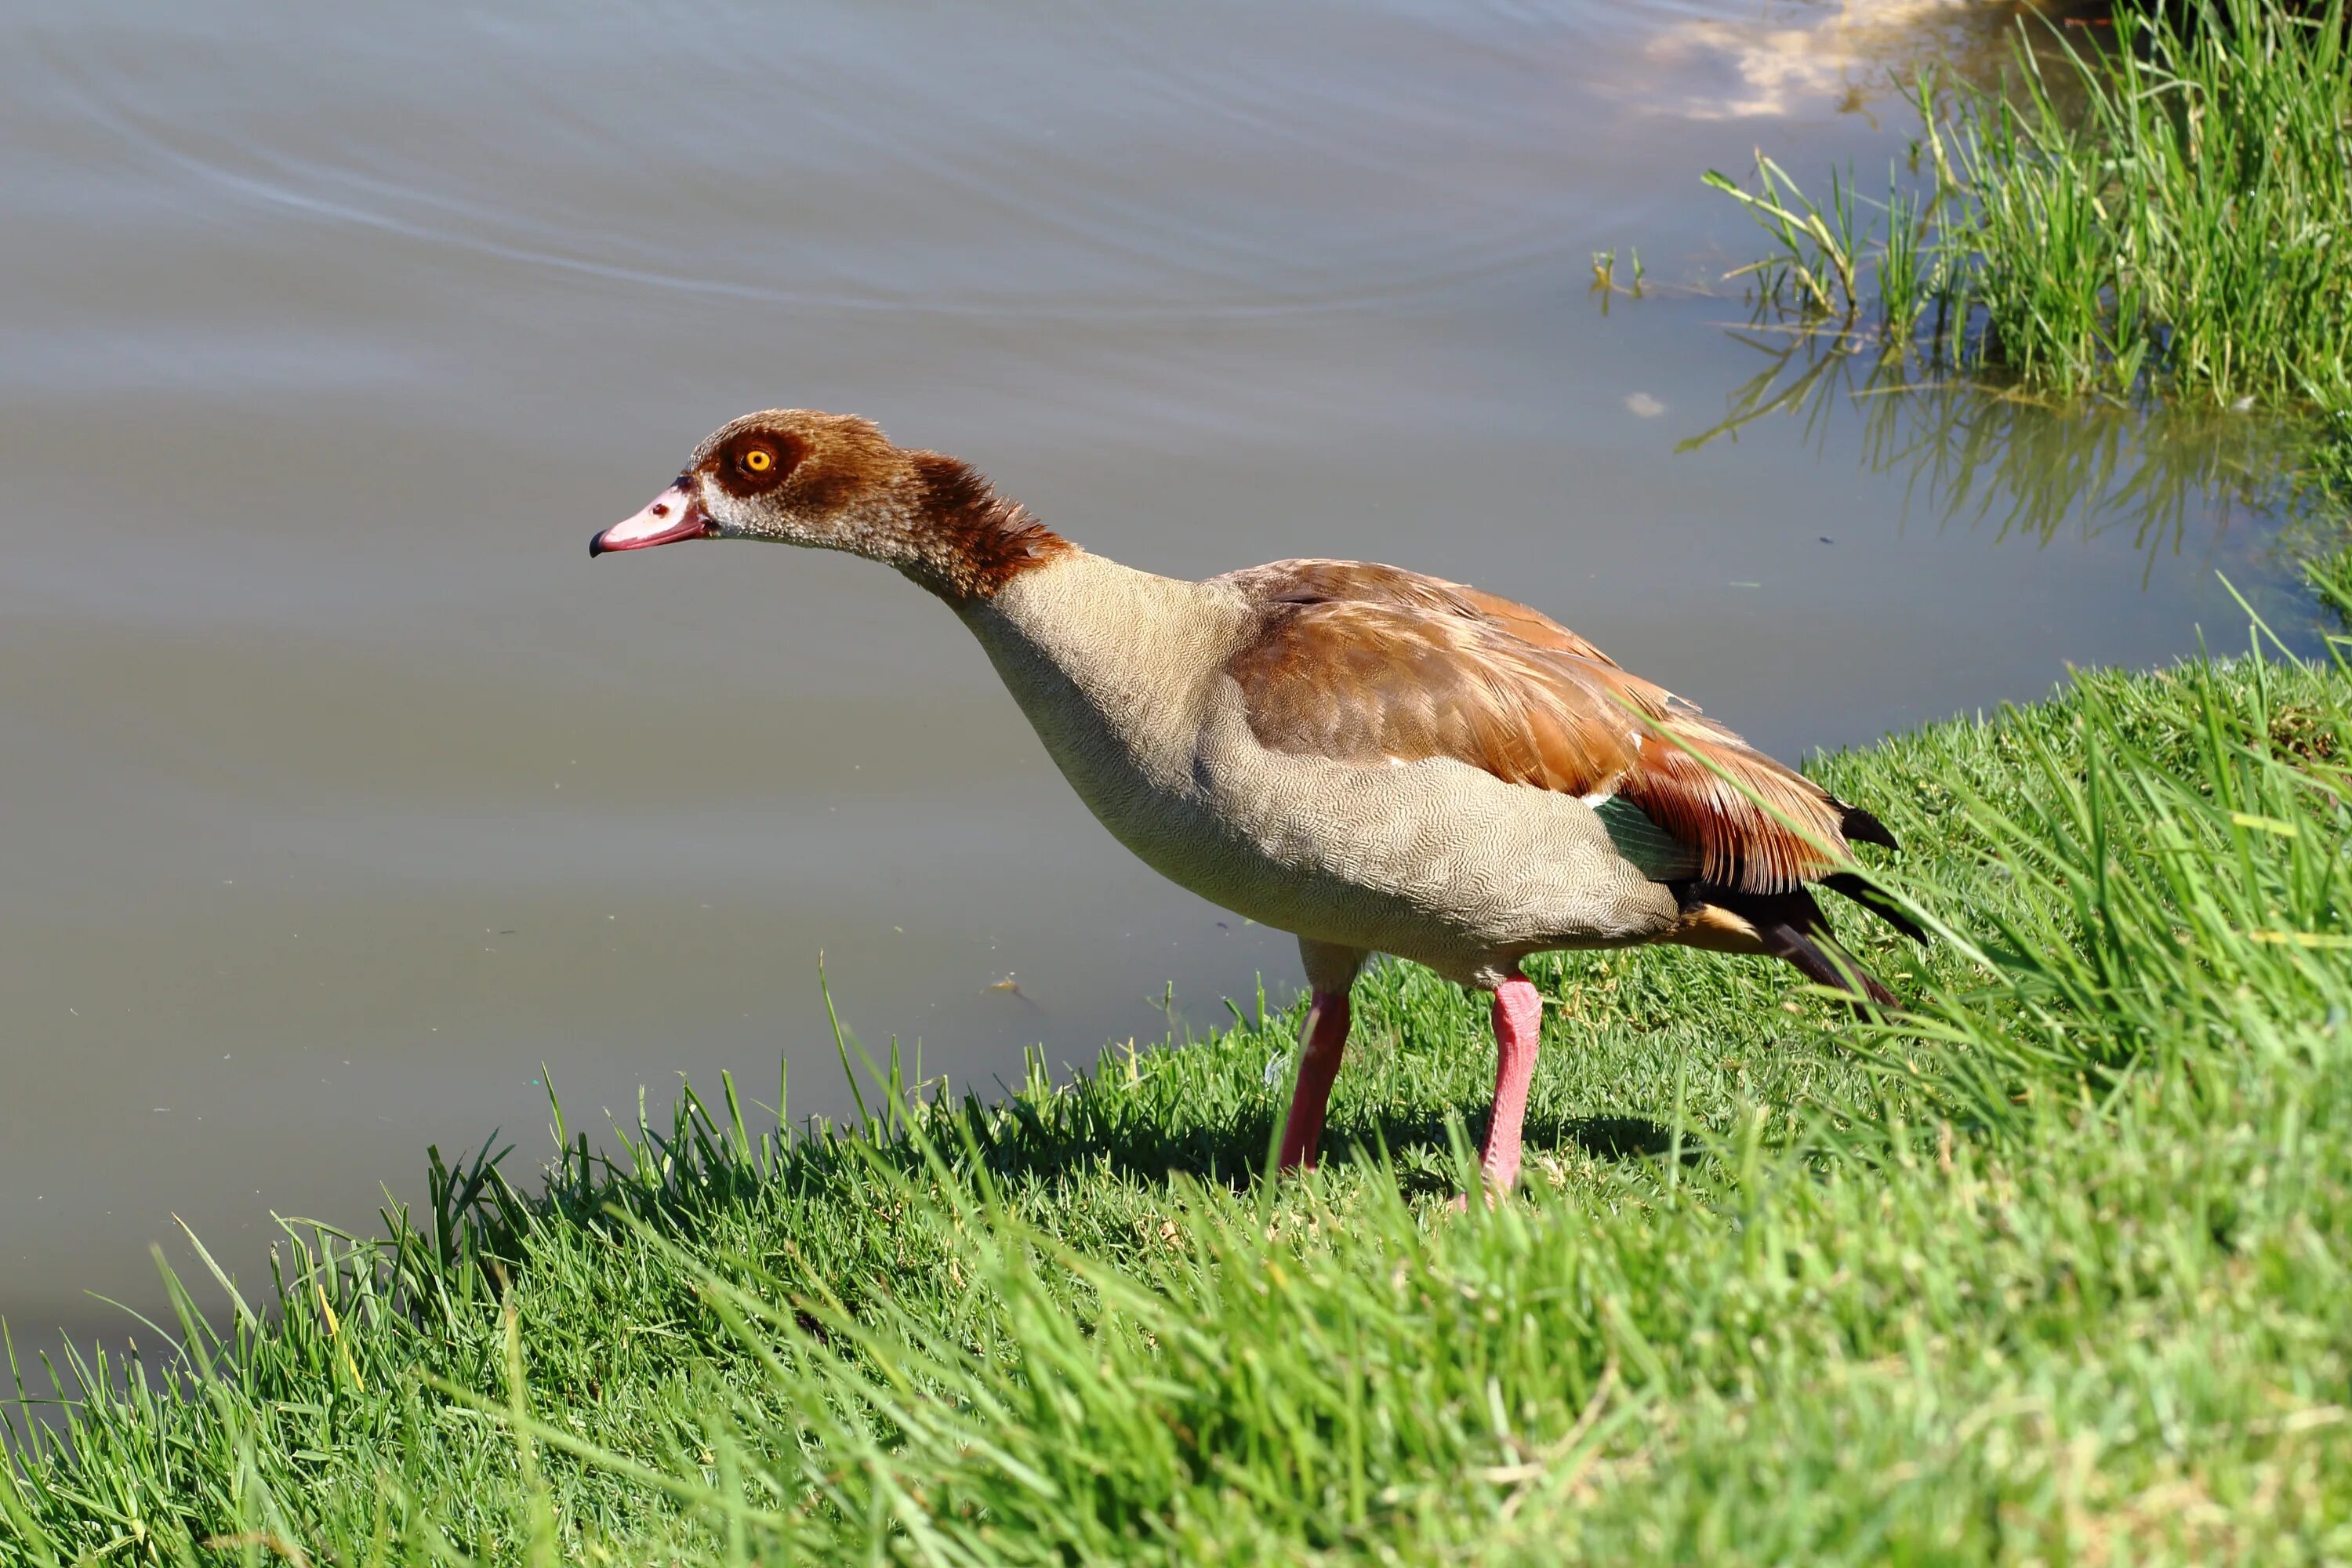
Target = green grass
(2053,1268)
(2174,212)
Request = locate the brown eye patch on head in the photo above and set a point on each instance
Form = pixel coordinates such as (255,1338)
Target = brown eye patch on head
(757,461)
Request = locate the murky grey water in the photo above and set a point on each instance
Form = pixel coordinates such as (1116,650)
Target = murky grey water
(343,791)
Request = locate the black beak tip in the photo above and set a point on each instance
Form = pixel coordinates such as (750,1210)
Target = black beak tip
(595,544)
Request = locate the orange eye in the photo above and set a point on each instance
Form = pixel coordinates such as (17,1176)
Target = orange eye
(759,461)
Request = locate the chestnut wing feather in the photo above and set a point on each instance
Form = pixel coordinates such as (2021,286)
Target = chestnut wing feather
(1365,683)
(1369,665)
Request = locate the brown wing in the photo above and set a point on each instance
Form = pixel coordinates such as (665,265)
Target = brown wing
(1368,582)
(1365,664)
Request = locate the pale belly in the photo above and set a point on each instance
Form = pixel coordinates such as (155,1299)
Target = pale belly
(1429,860)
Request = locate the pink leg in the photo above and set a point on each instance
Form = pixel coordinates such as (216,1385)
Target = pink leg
(1321,1041)
(1519,1020)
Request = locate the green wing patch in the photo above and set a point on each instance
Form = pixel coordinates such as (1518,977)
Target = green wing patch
(1660,855)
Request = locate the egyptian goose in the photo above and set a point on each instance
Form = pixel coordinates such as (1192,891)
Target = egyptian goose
(1376,760)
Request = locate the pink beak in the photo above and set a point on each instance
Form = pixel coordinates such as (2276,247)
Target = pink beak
(673,515)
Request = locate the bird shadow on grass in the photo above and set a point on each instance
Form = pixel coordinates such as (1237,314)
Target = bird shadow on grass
(676,1182)
(1420,1147)
(1418,1144)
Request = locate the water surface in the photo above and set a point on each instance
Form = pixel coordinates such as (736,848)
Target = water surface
(344,793)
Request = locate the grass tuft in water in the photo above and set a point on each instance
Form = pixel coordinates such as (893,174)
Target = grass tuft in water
(2173,211)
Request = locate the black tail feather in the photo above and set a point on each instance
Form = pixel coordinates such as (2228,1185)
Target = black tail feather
(1875,899)
(1812,953)
(1861,827)
(1793,927)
